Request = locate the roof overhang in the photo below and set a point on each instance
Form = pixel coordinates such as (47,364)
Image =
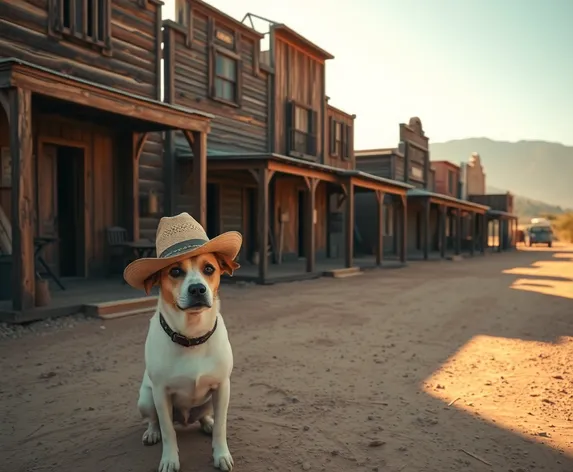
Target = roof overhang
(446,200)
(151,114)
(504,215)
(218,161)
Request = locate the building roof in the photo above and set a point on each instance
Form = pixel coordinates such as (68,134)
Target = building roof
(416,192)
(378,152)
(298,38)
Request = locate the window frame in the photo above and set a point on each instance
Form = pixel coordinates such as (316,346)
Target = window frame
(340,147)
(57,29)
(310,150)
(229,51)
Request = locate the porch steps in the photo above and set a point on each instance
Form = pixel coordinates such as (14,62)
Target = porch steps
(343,273)
(121,308)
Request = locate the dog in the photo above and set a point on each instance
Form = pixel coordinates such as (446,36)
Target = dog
(188,356)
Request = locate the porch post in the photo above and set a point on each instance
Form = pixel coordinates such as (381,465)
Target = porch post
(499,233)
(263,217)
(426,228)
(442,231)
(483,232)
(473,234)
(349,253)
(404,229)
(198,142)
(458,231)
(380,232)
(21,149)
(311,185)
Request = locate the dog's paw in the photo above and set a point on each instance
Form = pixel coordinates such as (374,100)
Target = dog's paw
(169,464)
(223,459)
(152,435)
(207,424)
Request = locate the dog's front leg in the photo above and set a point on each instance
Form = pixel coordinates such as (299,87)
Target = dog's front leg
(221,454)
(170,454)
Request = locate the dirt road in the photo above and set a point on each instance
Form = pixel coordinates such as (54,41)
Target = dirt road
(340,375)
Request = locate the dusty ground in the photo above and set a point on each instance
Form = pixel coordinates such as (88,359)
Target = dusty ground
(339,375)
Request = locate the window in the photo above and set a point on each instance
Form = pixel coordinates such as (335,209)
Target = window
(302,130)
(450,182)
(85,20)
(225,65)
(340,139)
(226,78)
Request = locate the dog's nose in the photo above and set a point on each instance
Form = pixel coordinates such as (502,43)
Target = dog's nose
(196,290)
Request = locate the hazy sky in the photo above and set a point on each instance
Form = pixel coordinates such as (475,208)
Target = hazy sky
(468,68)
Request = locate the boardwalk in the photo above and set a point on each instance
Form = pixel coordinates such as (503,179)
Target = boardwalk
(348,374)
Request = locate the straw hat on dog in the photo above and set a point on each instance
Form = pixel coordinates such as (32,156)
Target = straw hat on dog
(180,237)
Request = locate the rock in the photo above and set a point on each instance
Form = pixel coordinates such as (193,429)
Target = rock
(306,466)
(376,443)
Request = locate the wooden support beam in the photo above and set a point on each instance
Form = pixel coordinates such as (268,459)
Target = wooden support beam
(198,144)
(132,186)
(169,174)
(310,249)
(21,149)
(263,220)
(140,139)
(458,243)
(473,233)
(426,228)
(380,220)
(442,230)
(349,240)
(404,229)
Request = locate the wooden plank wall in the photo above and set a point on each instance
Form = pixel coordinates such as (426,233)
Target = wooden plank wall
(330,158)
(500,202)
(379,165)
(441,184)
(300,77)
(286,193)
(133,64)
(237,129)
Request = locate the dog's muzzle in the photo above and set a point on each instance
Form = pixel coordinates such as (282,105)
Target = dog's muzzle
(198,297)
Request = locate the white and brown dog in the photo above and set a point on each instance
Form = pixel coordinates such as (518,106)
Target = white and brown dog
(188,356)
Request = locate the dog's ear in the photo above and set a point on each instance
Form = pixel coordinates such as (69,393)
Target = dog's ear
(150,282)
(227,264)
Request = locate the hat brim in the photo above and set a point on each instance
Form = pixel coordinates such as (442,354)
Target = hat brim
(227,244)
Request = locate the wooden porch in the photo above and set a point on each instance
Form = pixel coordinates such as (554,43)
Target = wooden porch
(502,230)
(293,212)
(446,224)
(103,132)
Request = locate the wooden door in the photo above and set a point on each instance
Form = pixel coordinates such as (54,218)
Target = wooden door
(48,201)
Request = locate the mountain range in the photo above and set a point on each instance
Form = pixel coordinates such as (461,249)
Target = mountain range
(538,173)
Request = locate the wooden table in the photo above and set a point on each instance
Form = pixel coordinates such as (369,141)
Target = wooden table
(142,248)
(39,244)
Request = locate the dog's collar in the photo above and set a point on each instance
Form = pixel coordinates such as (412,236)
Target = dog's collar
(184,340)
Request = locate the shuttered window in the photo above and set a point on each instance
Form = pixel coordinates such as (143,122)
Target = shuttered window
(302,125)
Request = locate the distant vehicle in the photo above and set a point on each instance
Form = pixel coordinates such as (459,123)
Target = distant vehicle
(538,234)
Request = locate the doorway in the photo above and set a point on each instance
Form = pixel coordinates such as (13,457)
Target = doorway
(301,223)
(213,213)
(70,211)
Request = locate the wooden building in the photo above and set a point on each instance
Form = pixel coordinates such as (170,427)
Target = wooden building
(502,222)
(438,221)
(80,130)
(281,165)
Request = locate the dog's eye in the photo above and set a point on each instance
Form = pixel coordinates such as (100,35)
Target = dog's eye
(208,269)
(175,272)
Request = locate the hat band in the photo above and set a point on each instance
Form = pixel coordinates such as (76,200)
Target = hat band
(183,246)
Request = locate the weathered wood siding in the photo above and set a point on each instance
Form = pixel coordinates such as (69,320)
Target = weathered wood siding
(286,196)
(416,153)
(443,170)
(379,165)
(332,156)
(234,129)
(132,63)
(499,202)
(299,77)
